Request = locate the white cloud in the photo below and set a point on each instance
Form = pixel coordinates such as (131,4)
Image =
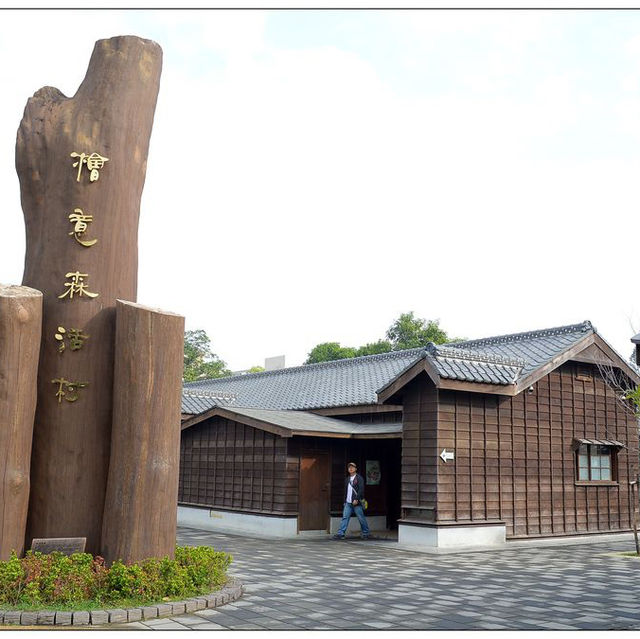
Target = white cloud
(298,196)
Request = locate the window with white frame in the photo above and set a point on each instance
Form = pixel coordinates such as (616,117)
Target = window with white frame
(595,462)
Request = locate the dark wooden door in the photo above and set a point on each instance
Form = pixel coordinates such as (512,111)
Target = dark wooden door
(313,509)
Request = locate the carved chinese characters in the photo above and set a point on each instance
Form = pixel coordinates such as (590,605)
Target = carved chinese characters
(80,222)
(77,286)
(93,162)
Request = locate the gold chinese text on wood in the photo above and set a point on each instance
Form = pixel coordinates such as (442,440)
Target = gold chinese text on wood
(93,162)
(68,390)
(74,337)
(77,286)
(80,221)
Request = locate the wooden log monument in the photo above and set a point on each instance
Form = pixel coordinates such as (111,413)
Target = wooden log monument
(142,489)
(81,162)
(20,328)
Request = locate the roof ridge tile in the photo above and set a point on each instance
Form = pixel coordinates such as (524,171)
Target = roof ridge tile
(479,356)
(546,332)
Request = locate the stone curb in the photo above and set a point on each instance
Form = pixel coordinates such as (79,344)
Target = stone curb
(231,592)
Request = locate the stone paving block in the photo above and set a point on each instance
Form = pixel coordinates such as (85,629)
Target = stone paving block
(178,608)
(190,605)
(137,624)
(201,603)
(63,618)
(134,614)
(12,617)
(99,617)
(117,615)
(164,624)
(28,618)
(46,617)
(209,613)
(149,612)
(80,618)
(164,610)
(211,600)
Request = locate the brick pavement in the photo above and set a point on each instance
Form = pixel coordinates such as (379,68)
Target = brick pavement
(328,585)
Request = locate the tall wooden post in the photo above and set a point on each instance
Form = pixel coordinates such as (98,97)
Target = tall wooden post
(20,328)
(82,163)
(142,491)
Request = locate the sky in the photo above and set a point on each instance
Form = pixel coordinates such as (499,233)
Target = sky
(314,174)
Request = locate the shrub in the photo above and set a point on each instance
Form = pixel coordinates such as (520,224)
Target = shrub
(80,579)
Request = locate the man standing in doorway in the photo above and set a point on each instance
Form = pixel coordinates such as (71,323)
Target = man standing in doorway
(354,494)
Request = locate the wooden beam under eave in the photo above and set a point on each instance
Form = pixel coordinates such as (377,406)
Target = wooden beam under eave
(477,387)
(356,410)
(314,433)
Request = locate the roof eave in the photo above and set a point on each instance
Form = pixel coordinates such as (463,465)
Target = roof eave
(424,364)
(220,411)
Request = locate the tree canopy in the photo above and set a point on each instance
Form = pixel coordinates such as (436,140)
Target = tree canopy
(329,351)
(199,361)
(407,331)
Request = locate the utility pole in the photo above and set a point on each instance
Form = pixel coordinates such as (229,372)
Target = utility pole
(634,485)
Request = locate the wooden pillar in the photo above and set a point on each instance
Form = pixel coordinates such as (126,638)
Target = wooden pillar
(20,328)
(142,490)
(111,115)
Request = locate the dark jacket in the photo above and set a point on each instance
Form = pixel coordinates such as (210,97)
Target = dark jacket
(358,487)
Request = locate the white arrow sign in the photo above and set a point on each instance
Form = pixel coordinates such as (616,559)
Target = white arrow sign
(445,456)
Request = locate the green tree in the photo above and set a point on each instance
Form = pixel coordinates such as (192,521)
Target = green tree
(409,331)
(329,351)
(374,348)
(256,369)
(634,396)
(199,361)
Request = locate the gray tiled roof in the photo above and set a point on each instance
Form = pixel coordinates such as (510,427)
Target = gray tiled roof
(501,360)
(340,383)
(536,348)
(301,422)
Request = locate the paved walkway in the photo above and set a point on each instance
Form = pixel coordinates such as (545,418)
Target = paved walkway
(328,585)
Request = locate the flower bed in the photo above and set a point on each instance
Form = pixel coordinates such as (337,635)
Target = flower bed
(81,582)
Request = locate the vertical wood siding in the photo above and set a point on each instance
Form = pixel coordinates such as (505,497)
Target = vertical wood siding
(419,447)
(515,462)
(224,464)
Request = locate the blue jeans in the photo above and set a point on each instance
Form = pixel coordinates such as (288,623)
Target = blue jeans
(348,510)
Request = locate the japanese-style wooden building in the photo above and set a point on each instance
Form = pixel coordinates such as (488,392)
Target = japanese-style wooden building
(472,443)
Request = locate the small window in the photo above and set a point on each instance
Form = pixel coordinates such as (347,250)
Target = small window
(595,462)
(584,373)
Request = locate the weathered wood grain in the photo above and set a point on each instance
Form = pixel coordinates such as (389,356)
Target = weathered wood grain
(20,329)
(142,489)
(111,114)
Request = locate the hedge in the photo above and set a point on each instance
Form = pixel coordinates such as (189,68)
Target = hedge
(81,580)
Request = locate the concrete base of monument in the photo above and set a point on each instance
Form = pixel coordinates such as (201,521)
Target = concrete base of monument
(231,592)
(237,523)
(450,536)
